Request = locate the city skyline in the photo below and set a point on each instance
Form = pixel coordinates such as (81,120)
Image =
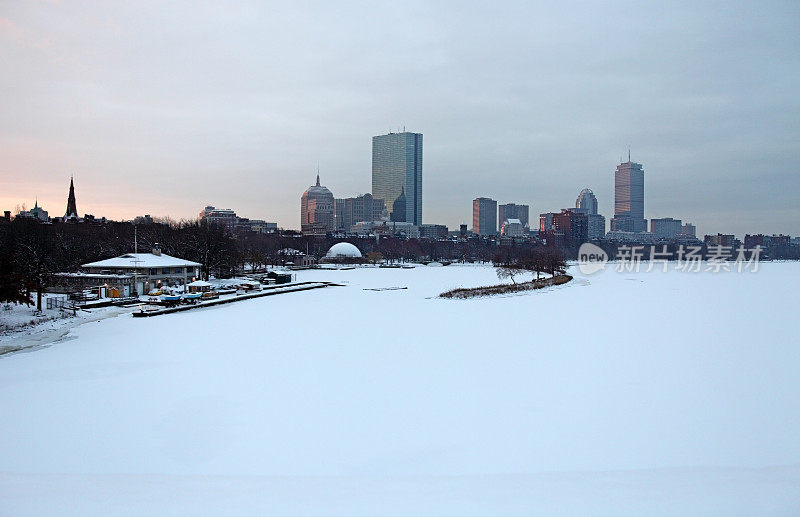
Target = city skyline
(150,120)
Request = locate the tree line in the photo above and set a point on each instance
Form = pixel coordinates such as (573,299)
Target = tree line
(31,252)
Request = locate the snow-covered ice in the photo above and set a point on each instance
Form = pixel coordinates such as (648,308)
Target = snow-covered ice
(616,394)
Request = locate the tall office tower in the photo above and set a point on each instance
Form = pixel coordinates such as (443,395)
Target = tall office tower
(587,201)
(512,211)
(396,172)
(317,210)
(72,209)
(629,198)
(484,216)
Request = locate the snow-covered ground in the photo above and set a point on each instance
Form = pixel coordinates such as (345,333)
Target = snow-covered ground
(616,394)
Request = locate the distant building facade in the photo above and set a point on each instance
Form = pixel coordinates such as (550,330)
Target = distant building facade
(597,226)
(317,210)
(228,220)
(224,217)
(665,227)
(720,239)
(689,230)
(396,228)
(629,198)
(596,223)
(484,216)
(546,221)
(513,228)
(574,225)
(587,201)
(358,209)
(261,226)
(396,173)
(513,211)
(144,219)
(36,212)
(630,237)
(433,231)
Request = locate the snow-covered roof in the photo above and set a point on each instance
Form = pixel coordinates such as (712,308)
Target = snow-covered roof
(290,251)
(513,221)
(90,275)
(199,283)
(343,249)
(142,260)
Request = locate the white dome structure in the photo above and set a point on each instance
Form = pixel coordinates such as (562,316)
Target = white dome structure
(343,250)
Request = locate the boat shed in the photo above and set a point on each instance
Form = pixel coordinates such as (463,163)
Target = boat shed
(150,270)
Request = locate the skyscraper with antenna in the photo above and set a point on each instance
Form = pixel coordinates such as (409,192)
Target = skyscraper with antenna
(629,197)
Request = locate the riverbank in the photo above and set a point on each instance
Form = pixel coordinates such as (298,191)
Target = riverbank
(492,290)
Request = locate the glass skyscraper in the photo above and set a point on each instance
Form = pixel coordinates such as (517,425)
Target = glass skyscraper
(397,173)
(629,198)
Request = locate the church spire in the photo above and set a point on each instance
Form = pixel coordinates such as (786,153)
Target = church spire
(72,209)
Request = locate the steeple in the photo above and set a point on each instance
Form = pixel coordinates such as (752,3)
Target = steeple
(72,209)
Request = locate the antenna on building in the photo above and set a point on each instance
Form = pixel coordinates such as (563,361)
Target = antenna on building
(629,153)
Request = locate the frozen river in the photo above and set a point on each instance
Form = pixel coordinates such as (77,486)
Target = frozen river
(616,394)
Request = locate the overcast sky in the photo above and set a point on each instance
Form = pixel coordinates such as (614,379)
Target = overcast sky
(164,107)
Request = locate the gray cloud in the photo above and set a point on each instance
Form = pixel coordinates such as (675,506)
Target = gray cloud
(162,109)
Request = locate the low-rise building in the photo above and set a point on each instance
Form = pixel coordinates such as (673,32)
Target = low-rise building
(115,285)
(224,217)
(150,270)
(36,212)
(396,228)
(512,228)
(631,237)
(720,240)
(433,231)
(665,227)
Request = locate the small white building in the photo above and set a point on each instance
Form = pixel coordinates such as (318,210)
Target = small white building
(150,270)
(512,228)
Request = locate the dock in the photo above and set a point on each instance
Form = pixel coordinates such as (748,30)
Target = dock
(266,291)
